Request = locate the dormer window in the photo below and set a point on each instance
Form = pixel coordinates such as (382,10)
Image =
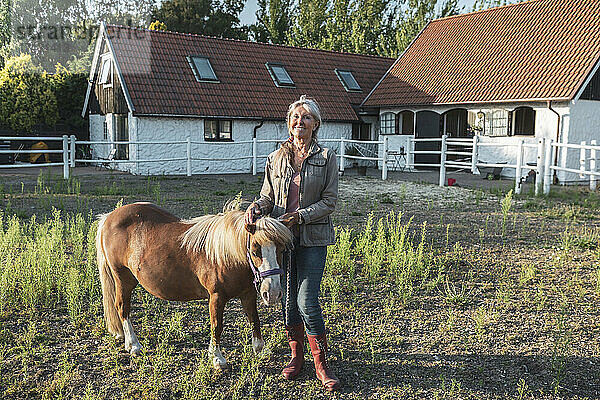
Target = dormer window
(106,72)
(347,79)
(280,75)
(203,70)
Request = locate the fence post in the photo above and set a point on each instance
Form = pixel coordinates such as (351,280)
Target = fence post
(254,154)
(189,156)
(475,154)
(384,169)
(547,166)
(65,149)
(342,155)
(518,172)
(410,156)
(582,160)
(72,147)
(593,178)
(443,161)
(539,170)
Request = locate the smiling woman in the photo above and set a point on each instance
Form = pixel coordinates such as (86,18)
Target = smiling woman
(300,188)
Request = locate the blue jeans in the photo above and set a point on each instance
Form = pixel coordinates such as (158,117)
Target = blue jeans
(301,299)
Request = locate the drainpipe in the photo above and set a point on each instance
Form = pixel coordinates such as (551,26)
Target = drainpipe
(256,127)
(554,177)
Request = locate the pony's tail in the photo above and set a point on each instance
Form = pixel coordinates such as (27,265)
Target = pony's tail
(113,322)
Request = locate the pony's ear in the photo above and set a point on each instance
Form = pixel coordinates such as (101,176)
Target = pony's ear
(250,228)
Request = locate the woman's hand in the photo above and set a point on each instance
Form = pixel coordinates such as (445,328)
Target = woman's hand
(290,219)
(252,213)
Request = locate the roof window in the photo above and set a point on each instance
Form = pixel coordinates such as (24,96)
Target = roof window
(348,81)
(280,75)
(203,70)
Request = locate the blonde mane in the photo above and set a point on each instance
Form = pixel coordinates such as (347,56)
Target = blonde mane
(223,236)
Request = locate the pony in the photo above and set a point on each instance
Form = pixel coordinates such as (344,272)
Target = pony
(212,256)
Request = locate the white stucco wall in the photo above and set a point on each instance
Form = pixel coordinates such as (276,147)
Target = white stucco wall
(147,129)
(583,126)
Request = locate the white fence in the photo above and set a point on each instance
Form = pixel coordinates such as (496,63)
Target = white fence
(543,165)
(69,153)
(464,150)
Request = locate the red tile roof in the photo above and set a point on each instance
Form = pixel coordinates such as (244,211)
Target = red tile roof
(536,50)
(160,81)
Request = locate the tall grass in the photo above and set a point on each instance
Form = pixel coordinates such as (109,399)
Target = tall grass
(385,250)
(48,264)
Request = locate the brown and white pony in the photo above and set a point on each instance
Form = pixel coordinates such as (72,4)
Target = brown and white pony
(182,260)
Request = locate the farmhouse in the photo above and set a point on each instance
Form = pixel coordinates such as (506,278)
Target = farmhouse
(522,71)
(147,86)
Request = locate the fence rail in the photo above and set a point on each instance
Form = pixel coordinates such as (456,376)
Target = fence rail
(544,168)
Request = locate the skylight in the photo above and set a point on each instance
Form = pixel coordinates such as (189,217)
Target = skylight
(348,81)
(202,68)
(280,75)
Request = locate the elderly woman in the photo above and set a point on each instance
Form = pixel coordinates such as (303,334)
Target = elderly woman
(301,187)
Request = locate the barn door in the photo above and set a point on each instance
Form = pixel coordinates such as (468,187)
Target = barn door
(428,126)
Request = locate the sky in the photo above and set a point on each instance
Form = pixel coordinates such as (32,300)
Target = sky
(248,16)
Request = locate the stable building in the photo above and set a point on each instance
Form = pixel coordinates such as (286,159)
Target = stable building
(521,71)
(147,86)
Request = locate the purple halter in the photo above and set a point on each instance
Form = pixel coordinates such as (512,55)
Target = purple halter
(259,276)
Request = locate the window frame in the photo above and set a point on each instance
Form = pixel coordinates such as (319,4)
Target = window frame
(196,70)
(220,123)
(106,81)
(340,72)
(384,123)
(276,80)
(360,128)
(515,113)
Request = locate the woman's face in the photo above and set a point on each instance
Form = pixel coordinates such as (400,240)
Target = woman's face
(302,123)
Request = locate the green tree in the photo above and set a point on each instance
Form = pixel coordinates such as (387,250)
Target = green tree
(158,26)
(70,88)
(309,25)
(368,27)
(206,17)
(272,21)
(339,23)
(26,97)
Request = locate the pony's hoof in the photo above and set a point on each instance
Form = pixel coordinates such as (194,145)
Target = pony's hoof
(135,350)
(258,344)
(219,365)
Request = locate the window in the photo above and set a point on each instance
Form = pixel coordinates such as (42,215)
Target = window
(203,70)
(406,123)
(361,131)
(496,123)
(348,81)
(388,123)
(121,135)
(524,121)
(217,130)
(280,75)
(106,72)
(105,129)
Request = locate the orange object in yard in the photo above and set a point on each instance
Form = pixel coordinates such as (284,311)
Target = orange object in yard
(35,157)
(451,181)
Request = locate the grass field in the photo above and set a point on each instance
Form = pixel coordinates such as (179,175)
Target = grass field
(429,293)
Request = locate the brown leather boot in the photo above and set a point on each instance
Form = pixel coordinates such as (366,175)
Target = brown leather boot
(318,347)
(295,336)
